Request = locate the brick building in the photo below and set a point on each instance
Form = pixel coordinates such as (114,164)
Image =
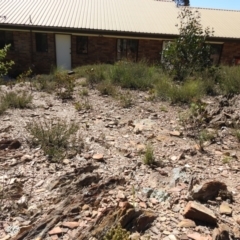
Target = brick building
(69,33)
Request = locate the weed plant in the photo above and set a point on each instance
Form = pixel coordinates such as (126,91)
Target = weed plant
(148,157)
(56,138)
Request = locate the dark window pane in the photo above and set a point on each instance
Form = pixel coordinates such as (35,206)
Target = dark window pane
(41,42)
(127,48)
(216,50)
(6,38)
(82,45)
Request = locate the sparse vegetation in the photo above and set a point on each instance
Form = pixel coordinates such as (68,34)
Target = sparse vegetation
(125,100)
(117,233)
(148,157)
(5,66)
(56,138)
(107,88)
(15,100)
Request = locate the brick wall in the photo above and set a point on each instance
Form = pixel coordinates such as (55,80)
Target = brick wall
(25,55)
(100,49)
(150,49)
(230,50)
(44,61)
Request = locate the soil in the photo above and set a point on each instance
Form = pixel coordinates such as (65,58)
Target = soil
(80,197)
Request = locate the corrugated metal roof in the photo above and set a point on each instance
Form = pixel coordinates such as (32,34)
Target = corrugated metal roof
(136,16)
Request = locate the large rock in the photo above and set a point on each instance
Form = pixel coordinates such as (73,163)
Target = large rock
(207,191)
(197,211)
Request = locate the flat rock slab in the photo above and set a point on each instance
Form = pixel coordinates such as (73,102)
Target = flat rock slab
(197,211)
(225,209)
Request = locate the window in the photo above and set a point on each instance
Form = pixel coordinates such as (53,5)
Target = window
(41,42)
(82,45)
(6,37)
(216,51)
(127,48)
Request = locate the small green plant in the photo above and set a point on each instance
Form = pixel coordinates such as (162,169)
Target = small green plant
(148,157)
(125,100)
(84,92)
(45,83)
(226,159)
(236,133)
(5,66)
(56,138)
(84,105)
(117,233)
(106,88)
(15,100)
(24,76)
(65,85)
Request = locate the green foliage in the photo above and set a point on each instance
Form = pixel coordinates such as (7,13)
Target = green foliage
(133,75)
(107,88)
(5,66)
(45,83)
(65,84)
(189,53)
(117,233)
(148,157)
(56,138)
(230,79)
(14,100)
(184,92)
(125,100)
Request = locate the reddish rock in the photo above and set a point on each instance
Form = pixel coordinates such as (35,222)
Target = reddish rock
(197,236)
(55,231)
(197,211)
(54,237)
(70,224)
(186,223)
(98,157)
(143,204)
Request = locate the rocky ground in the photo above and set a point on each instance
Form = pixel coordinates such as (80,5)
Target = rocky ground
(190,192)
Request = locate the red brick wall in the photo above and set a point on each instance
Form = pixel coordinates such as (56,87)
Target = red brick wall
(44,61)
(150,49)
(25,55)
(100,49)
(230,50)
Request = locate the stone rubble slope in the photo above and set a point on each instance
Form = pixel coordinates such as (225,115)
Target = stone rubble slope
(186,194)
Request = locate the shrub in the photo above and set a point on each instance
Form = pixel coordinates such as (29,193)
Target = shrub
(117,233)
(180,93)
(125,100)
(14,100)
(56,138)
(188,53)
(132,75)
(106,88)
(230,79)
(5,66)
(84,105)
(83,92)
(148,158)
(45,83)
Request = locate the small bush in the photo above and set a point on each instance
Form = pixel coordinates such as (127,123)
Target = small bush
(106,88)
(117,233)
(15,100)
(84,92)
(237,134)
(133,75)
(55,138)
(125,100)
(84,105)
(45,83)
(148,158)
(230,79)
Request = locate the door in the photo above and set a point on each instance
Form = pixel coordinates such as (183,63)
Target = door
(63,51)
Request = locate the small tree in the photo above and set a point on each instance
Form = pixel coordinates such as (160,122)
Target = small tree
(189,53)
(5,66)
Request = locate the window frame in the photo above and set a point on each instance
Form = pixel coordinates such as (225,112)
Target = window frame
(8,38)
(82,40)
(127,51)
(41,42)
